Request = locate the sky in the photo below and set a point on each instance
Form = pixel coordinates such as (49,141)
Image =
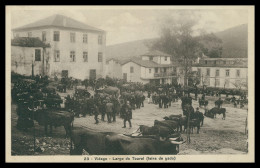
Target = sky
(123,25)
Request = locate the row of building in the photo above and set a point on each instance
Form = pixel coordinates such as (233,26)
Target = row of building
(63,47)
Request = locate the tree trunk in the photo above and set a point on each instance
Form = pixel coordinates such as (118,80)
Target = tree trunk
(188,128)
(185,72)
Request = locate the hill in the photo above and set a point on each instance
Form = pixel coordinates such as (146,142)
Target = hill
(128,49)
(234,45)
(235,41)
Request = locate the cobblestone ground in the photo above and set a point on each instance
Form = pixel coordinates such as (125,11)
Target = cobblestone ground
(217,136)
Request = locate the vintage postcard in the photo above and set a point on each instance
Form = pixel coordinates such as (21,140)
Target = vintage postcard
(130,84)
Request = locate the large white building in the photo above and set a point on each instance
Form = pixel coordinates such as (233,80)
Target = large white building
(76,49)
(222,72)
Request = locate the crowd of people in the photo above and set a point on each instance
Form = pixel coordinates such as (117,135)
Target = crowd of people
(109,106)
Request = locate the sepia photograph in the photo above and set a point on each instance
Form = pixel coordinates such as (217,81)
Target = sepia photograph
(130,84)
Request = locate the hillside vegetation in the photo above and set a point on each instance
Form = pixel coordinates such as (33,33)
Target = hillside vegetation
(234,40)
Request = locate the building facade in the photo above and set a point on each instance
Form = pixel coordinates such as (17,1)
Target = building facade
(153,67)
(76,50)
(114,68)
(222,72)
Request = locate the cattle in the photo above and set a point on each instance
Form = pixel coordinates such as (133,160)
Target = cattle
(208,114)
(92,142)
(219,103)
(181,120)
(123,145)
(171,125)
(56,118)
(198,115)
(145,130)
(109,143)
(216,111)
(61,88)
(203,102)
(188,109)
(172,117)
(195,123)
(155,130)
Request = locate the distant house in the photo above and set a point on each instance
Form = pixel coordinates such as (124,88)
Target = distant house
(153,67)
(114,67)
(76,49)
(28,55)
(222,72)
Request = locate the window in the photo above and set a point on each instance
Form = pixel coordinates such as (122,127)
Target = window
(150,70)
(165,58)
(56,56)
(217,72)
(224,62)
(206,62)
(207,81)
(85,56)
(164,69)
(72,37)
(44,36)
(85,38)
(150,58)
(72,56)
(238,73)
(217,82)
(100,56)
(156,70)
(100,39)
(131,69)
(29,34)
(56,36)
(208,72)
(215,62)
(37,55)
(227,72)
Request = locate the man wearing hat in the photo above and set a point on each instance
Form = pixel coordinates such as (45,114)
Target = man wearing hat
(127,114)
(109,110)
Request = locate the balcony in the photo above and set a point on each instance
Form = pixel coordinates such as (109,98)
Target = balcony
(165,74)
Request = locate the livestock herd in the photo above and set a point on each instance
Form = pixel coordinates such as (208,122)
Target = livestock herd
(37,100)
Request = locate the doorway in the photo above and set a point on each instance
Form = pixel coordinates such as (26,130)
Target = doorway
(125,77)
(64,73)
(92,74)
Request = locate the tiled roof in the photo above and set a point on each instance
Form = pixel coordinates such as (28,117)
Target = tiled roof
(28,42)
(156,53)
(58,21)
(146,63)
(122,61)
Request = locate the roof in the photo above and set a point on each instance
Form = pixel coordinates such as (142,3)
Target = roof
(58,21)
(236,63)
(122,61)
(28,42)
(146,63)
(225,59)
(155,53)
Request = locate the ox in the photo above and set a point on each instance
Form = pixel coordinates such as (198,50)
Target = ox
(109,143)
(54,118)
(216,111)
